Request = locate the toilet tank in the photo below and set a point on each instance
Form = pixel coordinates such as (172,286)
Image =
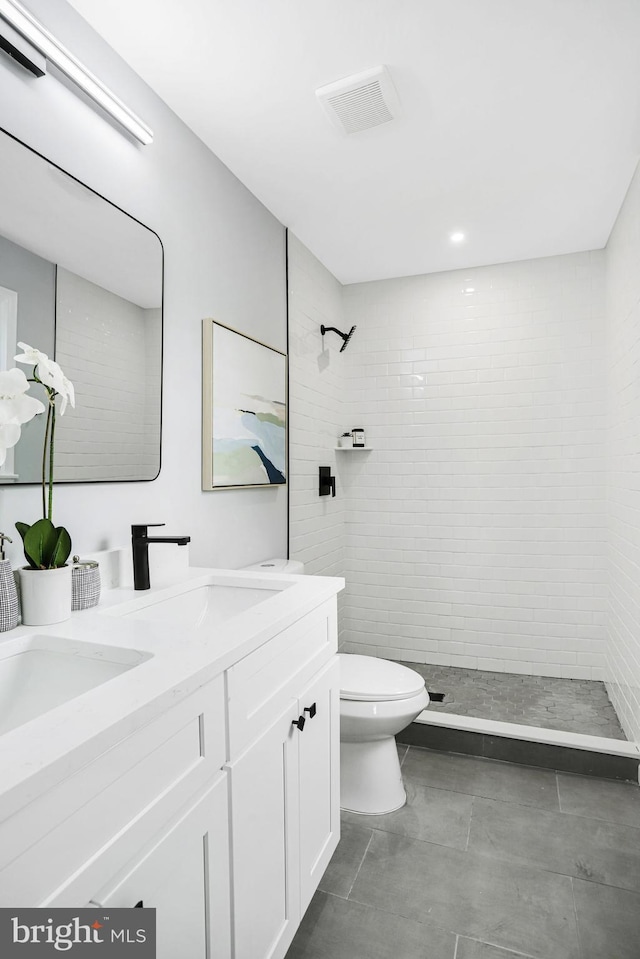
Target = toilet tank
(278,565)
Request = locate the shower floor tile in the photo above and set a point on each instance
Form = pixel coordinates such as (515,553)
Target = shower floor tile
(571,705)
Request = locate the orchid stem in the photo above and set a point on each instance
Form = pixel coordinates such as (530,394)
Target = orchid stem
(51,450)
(44,461)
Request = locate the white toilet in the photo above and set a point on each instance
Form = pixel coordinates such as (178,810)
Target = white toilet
(378,699)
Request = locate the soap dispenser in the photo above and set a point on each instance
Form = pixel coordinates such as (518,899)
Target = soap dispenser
(9,607)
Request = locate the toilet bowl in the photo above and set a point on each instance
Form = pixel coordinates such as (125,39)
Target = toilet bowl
(378,699)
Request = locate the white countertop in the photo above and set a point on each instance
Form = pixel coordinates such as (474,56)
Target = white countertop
(47,749)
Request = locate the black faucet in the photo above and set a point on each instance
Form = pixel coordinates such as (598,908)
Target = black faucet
(140,545)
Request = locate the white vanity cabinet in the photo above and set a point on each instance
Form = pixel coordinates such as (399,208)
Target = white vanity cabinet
(184,875)
(221,811)
(145,821)
(284,781)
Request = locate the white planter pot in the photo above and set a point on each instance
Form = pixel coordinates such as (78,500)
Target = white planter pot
(45,595)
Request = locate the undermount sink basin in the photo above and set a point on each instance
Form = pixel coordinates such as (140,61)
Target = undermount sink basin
(39,673)
(207,605)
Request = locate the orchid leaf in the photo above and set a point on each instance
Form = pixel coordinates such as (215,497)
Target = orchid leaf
(61,549)
(45,546)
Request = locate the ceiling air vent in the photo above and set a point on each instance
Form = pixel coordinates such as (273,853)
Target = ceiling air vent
(360,102)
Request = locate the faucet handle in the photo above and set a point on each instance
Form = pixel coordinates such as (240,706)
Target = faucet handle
(141,529)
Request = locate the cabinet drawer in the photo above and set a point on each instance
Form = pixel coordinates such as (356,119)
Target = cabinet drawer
(49,839)
(261,684)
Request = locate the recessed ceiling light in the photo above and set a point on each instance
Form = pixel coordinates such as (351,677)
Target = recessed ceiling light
(468,290)
(457,237)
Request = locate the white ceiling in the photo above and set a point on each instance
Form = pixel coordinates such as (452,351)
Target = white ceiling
(520,119)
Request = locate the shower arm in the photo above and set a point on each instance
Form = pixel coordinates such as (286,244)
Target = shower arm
(345,336)
(331,329)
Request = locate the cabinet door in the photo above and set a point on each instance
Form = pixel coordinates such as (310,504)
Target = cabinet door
(264,816)
(185,877)
(319,759)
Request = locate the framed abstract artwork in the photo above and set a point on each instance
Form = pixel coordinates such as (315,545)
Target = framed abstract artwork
(244,410)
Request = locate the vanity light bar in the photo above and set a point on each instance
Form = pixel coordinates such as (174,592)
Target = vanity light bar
(32,30)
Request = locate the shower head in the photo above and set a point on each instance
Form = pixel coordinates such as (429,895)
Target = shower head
(345,336)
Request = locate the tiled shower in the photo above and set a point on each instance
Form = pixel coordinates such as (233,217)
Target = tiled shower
(494,523)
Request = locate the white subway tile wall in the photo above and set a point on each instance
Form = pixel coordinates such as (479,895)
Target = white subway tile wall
(473,533)
(109,348)
(476,526)
(316,413)
(623,328)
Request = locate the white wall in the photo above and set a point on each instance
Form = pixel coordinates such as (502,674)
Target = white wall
(34,281)
(108,347)
(224,257)
(317,412)
(623,326)
(476,527)
(474,531)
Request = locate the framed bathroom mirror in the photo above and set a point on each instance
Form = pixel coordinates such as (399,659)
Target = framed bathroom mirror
(81,281)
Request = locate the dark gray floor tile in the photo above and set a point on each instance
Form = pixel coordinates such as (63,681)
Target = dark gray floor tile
(435,815)
(584,762)
(608,921)
(506,904)
(336,928)
(599,799)
(341,872)
(472,949)
(444,739)
(482,777)
(571,845)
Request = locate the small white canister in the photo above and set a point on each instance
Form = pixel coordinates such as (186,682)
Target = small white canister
(345,442)
(358,436)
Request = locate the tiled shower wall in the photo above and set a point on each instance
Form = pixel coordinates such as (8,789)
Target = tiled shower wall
(473,533)
(623,328)
(316,402)
(110,348)
(476,526)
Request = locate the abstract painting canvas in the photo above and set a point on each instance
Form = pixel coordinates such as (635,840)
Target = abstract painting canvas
(244,410)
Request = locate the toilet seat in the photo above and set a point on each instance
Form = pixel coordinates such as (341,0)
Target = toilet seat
(368,679)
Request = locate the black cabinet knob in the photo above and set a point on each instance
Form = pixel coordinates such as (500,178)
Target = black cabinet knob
(299,722)
(311,710)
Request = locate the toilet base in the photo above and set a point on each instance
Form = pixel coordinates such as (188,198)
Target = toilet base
(370,777)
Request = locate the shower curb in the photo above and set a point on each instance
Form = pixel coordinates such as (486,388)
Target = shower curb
(525,745)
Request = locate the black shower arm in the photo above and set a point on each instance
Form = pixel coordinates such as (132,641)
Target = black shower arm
(345,336)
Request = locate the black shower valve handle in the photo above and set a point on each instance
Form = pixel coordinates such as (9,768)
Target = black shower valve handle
(326,482)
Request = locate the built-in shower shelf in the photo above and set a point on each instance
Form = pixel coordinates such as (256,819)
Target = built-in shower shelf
(353,449)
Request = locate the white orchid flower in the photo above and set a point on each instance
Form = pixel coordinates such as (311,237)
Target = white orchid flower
(9,436)
(69,394)
(49,374)
(15,408)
